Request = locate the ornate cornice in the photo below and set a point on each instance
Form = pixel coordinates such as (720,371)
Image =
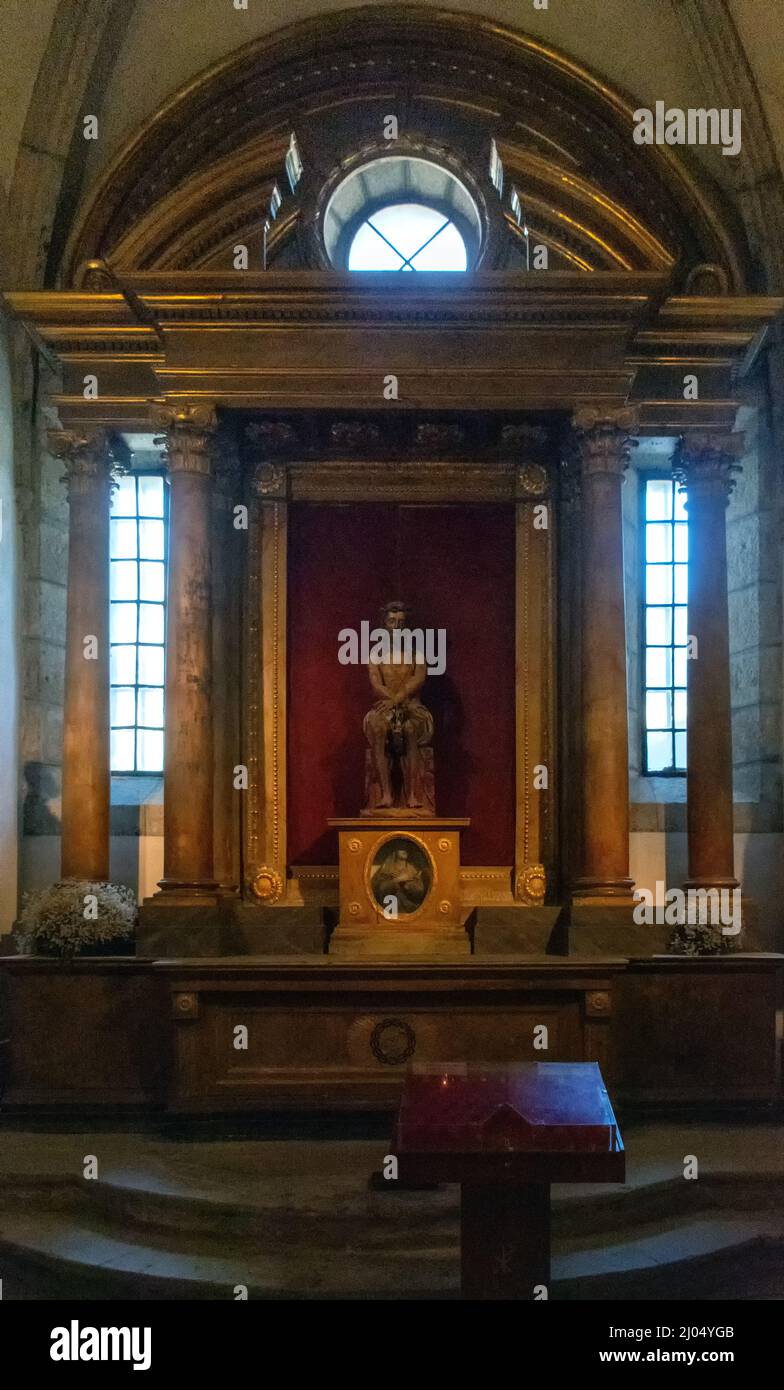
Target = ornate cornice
(299,340)
(190,436)
(603,440)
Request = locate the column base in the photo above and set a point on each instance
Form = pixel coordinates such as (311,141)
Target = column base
(179,893)
(708,883)
(603,889)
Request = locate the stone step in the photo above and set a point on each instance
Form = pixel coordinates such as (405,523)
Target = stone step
(289,1211)
(90,1260)
(342,1211)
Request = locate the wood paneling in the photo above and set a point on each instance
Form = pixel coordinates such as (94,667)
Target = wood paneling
(103,1035)
(87,1035)
(700,1031)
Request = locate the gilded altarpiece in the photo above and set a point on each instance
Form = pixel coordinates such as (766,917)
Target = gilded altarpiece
(524,484)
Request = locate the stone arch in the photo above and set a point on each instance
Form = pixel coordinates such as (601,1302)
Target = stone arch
(720,57)
(83,41)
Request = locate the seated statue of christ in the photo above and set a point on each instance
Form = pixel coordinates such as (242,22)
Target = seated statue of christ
(398,729)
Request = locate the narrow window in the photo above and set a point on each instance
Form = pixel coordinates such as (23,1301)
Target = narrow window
(665,589)
(138,619)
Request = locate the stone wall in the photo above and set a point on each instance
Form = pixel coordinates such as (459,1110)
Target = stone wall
(9,710)
(753,573)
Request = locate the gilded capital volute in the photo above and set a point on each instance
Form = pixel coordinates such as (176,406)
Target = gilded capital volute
(604,440)
(189,437)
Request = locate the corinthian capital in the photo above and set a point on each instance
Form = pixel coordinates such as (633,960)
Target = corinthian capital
(708,463)
(87,454)
(603,439)
(189,437)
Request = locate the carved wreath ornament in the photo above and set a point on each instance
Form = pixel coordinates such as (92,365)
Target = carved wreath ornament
(393,1041)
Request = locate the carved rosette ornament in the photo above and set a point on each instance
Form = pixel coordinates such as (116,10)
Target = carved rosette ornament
(269,481)
(598,1003)
(531,885)
(189,439)
(185,1006)
(603,439)
(267,885)
(531,480)
(708,463)
(86,454)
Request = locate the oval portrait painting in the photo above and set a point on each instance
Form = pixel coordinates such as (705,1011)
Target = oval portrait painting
(401,870)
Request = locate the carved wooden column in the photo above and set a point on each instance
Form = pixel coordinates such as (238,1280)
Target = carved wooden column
(188,875)
(86,784)
(604,447)
(706,465)
(227,539)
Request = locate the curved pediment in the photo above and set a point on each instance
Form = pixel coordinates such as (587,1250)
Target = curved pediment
(197,177)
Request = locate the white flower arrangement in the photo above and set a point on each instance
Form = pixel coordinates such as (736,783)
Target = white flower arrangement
(74,915)
(698,939)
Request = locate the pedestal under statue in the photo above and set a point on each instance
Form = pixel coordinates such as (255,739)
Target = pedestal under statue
(399,728)
(399,863)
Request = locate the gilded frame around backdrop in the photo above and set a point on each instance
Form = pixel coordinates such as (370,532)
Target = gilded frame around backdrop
(267,877)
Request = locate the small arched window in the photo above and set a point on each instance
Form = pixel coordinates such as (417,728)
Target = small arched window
(402,213)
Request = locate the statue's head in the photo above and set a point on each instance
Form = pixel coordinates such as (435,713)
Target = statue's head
(396,614)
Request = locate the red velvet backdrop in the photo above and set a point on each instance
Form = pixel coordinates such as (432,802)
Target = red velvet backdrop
(456,566)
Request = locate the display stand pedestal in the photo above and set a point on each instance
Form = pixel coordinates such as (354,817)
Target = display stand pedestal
(400,887)
(506,1134)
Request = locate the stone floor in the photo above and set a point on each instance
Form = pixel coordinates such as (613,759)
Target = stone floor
(193,1217)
